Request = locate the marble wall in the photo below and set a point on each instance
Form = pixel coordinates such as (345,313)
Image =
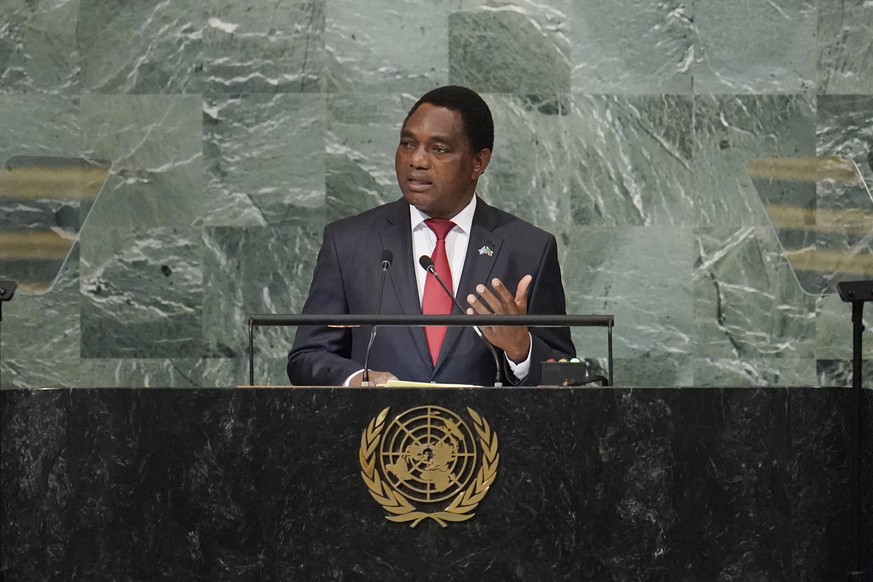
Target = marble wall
(233,132)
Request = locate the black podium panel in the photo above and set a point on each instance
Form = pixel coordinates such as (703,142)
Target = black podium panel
(592,484)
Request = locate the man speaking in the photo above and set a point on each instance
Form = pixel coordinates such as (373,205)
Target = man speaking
(493,262)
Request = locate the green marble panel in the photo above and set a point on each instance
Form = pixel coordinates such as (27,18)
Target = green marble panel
(38,51)
(839,373)
(845,47)
(230,372)
(39,125)
(190,373)
(142,293)
(833,329)
(269,371)
(154,143)
(748,304)
(275,48)
(631,161)
(510,48)
(252,271)
(715,372)
(731,130)
(598,139)
(264,158)
(148,46)
(652,370)
(188,47)
(13,19)
(754,47)
(41,335)
(143,372)
(528,174)
(383,46)
(844,127)
(642,276)
(181,373)
(362,136)
(632,47)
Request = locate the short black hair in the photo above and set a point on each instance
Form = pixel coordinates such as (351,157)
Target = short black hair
(475,115)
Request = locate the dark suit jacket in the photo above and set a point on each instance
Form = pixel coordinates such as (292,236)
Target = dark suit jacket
(346,280)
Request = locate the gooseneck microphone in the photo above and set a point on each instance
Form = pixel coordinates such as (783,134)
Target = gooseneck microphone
(386,260)
(427,264)
(7,292)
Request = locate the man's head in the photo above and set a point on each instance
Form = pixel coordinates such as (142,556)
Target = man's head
(475,115)
(445,145)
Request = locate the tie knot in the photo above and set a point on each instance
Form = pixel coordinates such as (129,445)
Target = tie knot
(440,227)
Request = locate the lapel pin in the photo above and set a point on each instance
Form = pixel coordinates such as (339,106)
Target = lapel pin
(486,250)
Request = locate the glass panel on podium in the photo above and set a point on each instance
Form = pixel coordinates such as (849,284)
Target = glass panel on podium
(822,211)
(44,203)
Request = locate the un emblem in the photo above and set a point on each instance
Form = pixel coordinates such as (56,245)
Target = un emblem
(426,456)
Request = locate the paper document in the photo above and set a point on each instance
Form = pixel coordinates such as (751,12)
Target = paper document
(406,384)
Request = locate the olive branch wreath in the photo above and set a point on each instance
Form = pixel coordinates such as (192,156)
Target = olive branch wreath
(402,511)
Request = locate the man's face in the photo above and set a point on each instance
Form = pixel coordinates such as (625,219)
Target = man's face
(436,167)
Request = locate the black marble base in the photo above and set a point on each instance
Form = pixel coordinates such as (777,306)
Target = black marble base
(593,484)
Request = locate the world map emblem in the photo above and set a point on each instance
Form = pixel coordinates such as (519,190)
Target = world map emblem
(426,463)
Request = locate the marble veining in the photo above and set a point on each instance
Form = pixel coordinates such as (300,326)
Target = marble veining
(233,133)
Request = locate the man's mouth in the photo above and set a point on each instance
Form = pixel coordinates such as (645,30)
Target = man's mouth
(418,185)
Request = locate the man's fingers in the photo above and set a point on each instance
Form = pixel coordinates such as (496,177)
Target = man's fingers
(501,290)
(521,292)
(376,378)
(476,306)
(500,300)
(382,377)
(486,296)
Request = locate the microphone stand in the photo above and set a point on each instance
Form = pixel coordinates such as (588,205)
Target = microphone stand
(7,292)
(856,293)
(387,257)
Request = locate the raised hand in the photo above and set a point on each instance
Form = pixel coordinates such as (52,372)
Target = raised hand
(513,340)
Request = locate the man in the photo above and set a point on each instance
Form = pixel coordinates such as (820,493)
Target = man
(495,263)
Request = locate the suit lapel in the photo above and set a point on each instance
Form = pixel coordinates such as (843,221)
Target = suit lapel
(397,237)
(478,264)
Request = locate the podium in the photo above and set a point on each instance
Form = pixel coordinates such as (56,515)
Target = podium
(592,484)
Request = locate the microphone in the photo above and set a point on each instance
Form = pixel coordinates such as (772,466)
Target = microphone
(386,259)
(427,264)
(7,290)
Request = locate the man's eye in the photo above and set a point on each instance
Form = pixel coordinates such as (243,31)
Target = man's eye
(439,149)
(405,143)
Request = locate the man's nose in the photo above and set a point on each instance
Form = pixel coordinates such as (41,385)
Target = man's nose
(418,158)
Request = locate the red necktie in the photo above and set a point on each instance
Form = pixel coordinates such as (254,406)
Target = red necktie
(435,300)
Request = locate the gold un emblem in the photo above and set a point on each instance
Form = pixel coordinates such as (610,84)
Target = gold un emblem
(428,456)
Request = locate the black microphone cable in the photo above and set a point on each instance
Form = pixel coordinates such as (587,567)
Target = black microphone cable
(427,264)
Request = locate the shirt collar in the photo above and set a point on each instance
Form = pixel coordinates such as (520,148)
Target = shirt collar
(462,220)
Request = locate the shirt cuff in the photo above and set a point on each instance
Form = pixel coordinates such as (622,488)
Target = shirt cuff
(521,370)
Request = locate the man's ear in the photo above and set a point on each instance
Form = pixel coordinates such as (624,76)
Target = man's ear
(480,162)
